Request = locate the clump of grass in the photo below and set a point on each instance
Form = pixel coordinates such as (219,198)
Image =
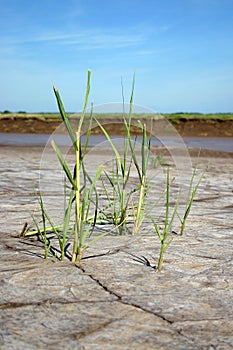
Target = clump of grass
(166,231)
(82,223)
(124,200)
(118,178)
(115,211)
(120,175)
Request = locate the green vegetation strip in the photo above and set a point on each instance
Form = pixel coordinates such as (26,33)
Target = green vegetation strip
(52,117)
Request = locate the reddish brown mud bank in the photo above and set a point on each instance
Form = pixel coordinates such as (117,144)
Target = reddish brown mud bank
(192,127)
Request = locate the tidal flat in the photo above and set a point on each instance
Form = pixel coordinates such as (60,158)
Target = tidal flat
(109,300)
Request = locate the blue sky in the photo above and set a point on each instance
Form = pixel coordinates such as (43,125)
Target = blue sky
(180,50)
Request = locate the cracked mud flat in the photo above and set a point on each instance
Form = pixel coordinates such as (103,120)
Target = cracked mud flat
(113,301)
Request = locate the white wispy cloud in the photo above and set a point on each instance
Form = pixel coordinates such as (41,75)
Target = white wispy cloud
(92,39)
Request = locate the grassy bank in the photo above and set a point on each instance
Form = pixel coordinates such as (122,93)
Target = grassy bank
(181,116)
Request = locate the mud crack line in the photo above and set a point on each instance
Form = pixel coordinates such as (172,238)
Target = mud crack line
(119,296)
(120,299)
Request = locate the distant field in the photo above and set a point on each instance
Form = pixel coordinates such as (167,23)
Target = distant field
(171,116)
(210,116)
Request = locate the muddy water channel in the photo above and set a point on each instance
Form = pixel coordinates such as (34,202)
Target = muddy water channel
(110,300)
(221,144)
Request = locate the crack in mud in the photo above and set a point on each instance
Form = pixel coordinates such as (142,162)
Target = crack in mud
(125,302)
(119,296)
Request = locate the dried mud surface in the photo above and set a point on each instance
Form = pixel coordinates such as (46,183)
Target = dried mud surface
(112,301)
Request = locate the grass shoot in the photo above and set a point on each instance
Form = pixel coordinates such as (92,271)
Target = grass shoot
(191,195)
(164,233)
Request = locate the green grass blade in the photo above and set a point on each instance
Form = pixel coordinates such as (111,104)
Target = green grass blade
(123,97)
(119,161)
(191,187)
(97,175)
(193,193)
(167,198)
(131,99)
(87,198)
(64,116)
(44,234)
(63,164)
(88,134)
(143,150)
(36,232)
(168,244)
(96,239)
(174,213)
(54,228)
(85,101)
(134,157)
(158,231)
(67,213)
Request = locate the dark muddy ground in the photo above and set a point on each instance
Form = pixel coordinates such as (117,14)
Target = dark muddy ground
(193,127)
